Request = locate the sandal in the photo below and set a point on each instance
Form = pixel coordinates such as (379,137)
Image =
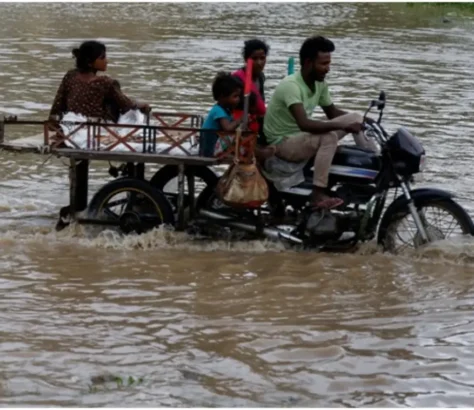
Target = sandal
(328,203)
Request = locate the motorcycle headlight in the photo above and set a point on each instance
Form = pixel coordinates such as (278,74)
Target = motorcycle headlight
(418,177)
(422,163)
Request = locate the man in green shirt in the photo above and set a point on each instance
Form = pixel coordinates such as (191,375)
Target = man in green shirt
(289,127)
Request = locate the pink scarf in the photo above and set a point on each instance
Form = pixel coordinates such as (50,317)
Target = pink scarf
(260,108)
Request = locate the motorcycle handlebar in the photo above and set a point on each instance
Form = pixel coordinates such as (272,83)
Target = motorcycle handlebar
(378,103)
(378,131)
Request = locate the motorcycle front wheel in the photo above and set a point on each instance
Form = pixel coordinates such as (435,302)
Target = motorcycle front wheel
(443,219)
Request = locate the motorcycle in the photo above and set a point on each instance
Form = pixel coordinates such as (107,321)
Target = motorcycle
(363,179)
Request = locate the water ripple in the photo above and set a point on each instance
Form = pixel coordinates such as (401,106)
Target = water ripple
(243,324)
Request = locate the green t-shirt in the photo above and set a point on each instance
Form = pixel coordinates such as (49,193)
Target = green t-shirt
(279,122)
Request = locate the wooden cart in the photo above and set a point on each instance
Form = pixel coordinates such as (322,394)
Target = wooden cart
(142,144)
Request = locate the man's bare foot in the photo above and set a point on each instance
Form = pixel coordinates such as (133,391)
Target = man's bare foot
(320,200)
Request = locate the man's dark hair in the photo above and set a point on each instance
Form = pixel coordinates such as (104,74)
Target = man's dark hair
(253,45)
(314,45)
(224,85)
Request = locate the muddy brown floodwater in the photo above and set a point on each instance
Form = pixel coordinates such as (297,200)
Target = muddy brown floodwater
(242,324)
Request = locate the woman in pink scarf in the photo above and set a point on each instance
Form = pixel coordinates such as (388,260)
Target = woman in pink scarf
(257,50)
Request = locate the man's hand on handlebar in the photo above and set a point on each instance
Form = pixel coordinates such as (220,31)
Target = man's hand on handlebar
(354,128)
(370,121)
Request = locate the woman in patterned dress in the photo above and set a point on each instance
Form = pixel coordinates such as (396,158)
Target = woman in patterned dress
(84,92)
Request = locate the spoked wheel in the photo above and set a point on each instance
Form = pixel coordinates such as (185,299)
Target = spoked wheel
(209,202)
(166,180)
(442,219)
(130,205)
(208,199)
(211,228)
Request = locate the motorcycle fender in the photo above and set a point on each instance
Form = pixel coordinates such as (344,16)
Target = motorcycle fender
(418,195)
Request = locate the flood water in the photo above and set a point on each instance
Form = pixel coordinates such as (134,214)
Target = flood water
(242,324)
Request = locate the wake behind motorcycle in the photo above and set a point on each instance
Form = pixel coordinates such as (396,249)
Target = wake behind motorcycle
(363,180)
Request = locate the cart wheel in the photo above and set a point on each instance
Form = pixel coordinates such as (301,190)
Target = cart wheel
(166,180)
(132,205)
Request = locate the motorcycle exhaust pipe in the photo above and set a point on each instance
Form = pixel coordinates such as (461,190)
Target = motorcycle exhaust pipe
(272,233)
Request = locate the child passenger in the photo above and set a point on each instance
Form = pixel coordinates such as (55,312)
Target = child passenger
(225,142)
(226,91)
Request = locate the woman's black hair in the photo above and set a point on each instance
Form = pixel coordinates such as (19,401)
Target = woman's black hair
(314,45)
(224,85)
(87,53)
(253,45)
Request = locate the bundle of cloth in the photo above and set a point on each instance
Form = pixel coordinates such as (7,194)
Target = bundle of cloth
(79,139)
